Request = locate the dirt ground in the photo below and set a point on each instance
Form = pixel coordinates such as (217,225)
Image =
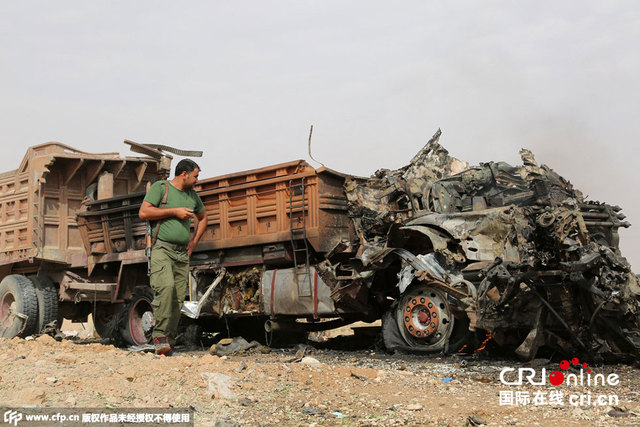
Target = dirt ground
(343,381)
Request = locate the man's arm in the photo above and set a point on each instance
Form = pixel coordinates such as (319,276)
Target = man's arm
(152,213)
(202,226)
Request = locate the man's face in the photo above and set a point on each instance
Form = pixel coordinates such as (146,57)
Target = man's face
(191,178)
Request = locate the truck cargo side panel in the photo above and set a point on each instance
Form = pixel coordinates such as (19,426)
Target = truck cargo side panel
(261,206)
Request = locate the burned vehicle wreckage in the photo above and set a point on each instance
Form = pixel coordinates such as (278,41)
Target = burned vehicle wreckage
(510,254)
(450,257)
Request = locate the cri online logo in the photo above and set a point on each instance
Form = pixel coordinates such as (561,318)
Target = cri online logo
(558,377)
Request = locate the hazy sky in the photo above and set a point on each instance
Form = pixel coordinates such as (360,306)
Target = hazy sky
(243,81)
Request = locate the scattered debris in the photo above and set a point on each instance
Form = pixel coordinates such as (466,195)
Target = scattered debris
(310,410)
(474,420)
(360,377)
(144,347)
(482,379)
(307,360)
(620,412)
(271,392)
(243,401)
(237,345)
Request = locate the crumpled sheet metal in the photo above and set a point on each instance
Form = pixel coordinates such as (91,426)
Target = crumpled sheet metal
(390,195)
(555,275)
(483,235)
(408,273)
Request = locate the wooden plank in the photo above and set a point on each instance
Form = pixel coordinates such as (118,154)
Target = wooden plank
(98,287)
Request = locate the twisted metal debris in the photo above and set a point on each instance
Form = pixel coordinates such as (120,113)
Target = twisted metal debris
(513,251)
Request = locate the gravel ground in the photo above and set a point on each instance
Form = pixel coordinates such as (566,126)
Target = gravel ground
(326,384)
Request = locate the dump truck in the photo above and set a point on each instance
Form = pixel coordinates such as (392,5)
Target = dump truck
(44,271)
(451,257)
(267,229)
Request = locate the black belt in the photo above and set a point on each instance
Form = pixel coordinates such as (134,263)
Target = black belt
(182,247)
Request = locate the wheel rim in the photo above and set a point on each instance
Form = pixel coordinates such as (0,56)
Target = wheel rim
(141,321)
(424,317)
(7,306)
(421,316)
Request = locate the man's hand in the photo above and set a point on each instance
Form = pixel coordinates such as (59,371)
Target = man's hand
(183,213)
(153,213)
(190,247)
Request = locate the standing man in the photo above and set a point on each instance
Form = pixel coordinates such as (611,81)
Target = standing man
(171,250)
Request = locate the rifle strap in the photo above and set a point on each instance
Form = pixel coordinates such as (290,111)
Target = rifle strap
(162,205)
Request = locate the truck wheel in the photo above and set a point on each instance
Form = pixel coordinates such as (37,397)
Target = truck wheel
(104,319)
(18,307)
(420,321)
(137,323)
(47,294)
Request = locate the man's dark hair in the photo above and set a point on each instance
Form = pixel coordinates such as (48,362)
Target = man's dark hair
(186,165)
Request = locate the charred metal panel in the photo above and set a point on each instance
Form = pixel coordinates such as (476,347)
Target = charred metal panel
(483,235)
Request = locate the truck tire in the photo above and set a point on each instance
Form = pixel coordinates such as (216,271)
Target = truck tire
(47,295)
(18,307)
(137,322)
(104,319)
(421,322)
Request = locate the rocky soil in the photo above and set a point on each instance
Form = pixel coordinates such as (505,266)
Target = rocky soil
(323,384)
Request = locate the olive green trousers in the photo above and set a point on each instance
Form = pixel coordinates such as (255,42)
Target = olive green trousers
(169,280)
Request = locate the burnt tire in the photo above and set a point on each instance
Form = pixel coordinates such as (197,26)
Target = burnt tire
(104,318)
(47,295)
(18,307)
(137,321)
(390,332)
(421,321)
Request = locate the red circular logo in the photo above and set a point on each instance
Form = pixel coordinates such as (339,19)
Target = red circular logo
(556,377)
(564,365)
